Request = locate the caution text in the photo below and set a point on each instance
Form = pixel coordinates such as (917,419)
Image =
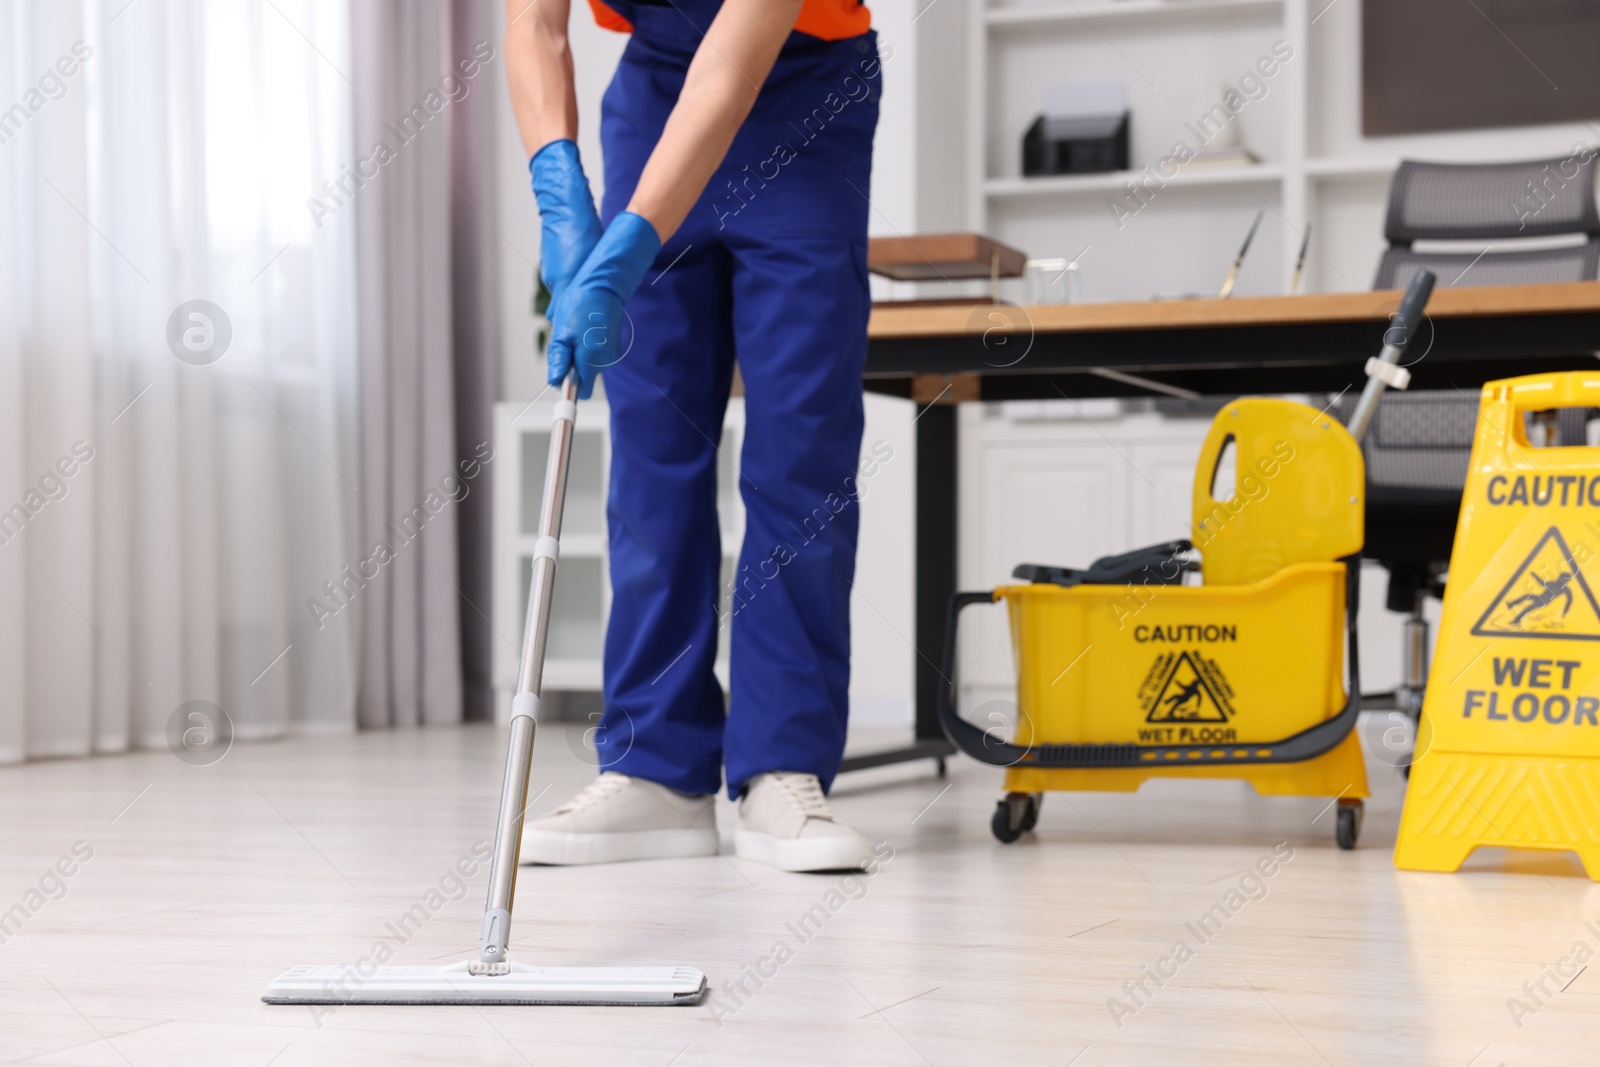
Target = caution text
(1544,490)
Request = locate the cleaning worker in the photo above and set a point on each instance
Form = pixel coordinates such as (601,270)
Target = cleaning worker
(737,145)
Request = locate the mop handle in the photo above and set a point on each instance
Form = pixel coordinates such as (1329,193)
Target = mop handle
(1384,370)
(496,931)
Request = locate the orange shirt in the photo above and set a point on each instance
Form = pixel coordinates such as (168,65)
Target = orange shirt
(831,20)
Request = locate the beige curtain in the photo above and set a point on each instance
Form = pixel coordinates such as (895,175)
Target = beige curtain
(423,72)
(473,289)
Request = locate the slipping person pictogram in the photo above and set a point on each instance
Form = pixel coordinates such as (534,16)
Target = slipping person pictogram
(1546,596)
(1187,694)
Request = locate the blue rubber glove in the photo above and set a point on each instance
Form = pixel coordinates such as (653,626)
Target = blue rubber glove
(568,226)
(587,317)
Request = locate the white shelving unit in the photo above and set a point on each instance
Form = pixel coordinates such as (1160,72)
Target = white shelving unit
(1114,181)
(583,588)
(1171,54)
(1316,166)
(1355,167)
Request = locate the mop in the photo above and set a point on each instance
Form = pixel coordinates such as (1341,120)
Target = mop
(492,978)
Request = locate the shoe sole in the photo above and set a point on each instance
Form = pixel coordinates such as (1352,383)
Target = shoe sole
(620,846)
(803,854)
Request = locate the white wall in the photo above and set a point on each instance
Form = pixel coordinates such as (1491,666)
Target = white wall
(882,611)
(940,115)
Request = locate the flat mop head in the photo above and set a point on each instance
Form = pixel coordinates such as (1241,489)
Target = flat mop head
(455,984)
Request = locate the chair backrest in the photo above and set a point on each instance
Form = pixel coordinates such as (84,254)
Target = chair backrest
(1573,263)
(1417,446)
(1489,202)
(1298,491)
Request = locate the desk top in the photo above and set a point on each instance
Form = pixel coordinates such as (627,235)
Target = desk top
(891,323)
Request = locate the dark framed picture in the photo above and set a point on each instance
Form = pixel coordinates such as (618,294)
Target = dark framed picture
(1432,65)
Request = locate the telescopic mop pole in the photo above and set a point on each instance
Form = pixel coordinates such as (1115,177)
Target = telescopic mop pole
(1384,370)
(496,931)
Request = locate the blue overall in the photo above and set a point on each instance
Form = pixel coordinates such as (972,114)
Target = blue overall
(769,269)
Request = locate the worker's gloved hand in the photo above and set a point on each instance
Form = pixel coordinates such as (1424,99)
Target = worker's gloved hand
(568,226)
(587,317)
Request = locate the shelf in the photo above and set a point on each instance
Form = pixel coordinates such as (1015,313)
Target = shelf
(1112,182)
(1092,16)
(1334,168)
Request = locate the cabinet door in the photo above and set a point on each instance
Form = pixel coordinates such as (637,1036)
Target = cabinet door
(1059,501)
(1162,488)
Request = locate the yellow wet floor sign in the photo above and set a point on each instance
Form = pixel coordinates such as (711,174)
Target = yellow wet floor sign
(1509,751)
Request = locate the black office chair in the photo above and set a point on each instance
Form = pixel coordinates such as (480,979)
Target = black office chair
(1419,444)
(1487,203)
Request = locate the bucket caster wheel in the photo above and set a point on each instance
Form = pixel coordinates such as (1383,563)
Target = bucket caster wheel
(1031,818)
(1348,827)
(1015,815)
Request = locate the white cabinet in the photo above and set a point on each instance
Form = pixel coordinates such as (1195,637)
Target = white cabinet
(1163,484)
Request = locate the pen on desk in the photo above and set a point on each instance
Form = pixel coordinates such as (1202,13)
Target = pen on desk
(1238,261)
(1300,262)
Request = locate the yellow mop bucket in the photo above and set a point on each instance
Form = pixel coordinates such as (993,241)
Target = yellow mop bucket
(1124,673)
(1508,752)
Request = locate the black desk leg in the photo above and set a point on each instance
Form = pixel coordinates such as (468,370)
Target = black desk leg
(935,585)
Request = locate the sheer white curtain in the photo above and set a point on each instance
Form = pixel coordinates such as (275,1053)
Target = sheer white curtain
(164,521)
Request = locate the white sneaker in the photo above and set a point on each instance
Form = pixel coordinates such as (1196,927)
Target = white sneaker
(617,818)
(785,820)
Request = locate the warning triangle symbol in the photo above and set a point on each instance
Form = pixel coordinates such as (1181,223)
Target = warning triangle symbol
(1186,696)
(1546,597)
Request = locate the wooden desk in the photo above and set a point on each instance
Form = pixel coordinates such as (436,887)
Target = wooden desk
(1246,345)
(1266,344)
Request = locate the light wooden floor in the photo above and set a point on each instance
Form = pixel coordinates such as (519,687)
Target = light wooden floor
(960,951)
